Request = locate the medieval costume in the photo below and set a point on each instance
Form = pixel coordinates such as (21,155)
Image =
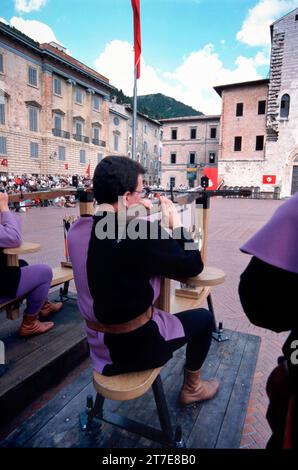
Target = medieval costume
(268,289)
(32,282)
(118,279)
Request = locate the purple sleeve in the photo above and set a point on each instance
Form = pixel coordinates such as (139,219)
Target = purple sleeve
(10,231)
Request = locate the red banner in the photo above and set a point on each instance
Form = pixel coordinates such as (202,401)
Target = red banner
(137,34)
(65,166)
(4,162)
(269,179)
(212,174)
(88,170)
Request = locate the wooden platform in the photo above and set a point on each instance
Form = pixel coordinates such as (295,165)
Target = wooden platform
(214,424)
(38,362)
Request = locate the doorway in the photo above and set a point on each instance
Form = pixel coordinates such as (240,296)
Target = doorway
(295,180)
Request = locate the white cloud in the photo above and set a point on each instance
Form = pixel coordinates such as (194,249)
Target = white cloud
(192,82)
(26,6)
(116,63)
(262,58)
(3,20)
(255,29)
(37,30)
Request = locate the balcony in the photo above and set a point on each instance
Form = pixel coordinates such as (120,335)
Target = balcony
(101,143)
(60,133)
(81,138)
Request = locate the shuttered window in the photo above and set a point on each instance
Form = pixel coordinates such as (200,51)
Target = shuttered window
(96,133)
(82,156)
(32,76)
(79,95)
(96,102)
(57,122)
(2,113)
(33,149)
(33,119)
(116,142)
(3,147)
(61,153)
(78,128)
(57,86)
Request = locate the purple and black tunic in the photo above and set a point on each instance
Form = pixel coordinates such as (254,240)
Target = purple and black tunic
(10,237)
(118,280)
(33,282)
(268,286)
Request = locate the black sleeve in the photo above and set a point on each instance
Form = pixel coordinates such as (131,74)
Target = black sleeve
(167,256)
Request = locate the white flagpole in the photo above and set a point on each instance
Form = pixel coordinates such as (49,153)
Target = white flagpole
(134,117)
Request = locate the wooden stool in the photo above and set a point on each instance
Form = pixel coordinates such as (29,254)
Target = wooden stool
(210,277)
(207,279)
(127,387)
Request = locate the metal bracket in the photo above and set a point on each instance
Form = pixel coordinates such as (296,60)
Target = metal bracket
(218,334)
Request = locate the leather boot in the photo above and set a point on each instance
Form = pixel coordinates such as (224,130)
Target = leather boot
(194,389)
(50,307)
(32,326)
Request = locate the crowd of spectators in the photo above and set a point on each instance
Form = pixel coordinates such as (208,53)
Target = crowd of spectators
(28,183)
(15,184)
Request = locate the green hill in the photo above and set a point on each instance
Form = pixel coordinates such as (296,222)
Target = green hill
(159,106)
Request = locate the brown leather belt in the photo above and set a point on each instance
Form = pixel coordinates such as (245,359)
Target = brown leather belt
(119,328)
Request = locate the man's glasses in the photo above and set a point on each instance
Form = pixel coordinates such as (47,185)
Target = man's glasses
(142,193)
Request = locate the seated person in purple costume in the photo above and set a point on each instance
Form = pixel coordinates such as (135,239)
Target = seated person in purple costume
(118,280)
(32,282)
(268,292)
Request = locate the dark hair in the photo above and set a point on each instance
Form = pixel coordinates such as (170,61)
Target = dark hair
(115,175)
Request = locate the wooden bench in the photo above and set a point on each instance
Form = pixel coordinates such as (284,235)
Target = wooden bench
(135,384)
(61,275)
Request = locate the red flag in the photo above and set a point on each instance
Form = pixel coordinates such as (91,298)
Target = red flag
(4,162)
(65,166)
(88,170)
(212,174)
(137,34)
(269,179)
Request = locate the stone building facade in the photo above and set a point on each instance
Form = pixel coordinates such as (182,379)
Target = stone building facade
(54,111)
(148,145)
(118,130)
(276,165)
(243,133)
(190,144)
(148,139)
(282,115)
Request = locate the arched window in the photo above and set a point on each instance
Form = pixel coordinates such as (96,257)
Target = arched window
(285,106)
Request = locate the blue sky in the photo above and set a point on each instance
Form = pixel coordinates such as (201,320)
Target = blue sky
(188,46)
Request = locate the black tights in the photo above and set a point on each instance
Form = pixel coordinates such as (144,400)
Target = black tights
(198,326)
